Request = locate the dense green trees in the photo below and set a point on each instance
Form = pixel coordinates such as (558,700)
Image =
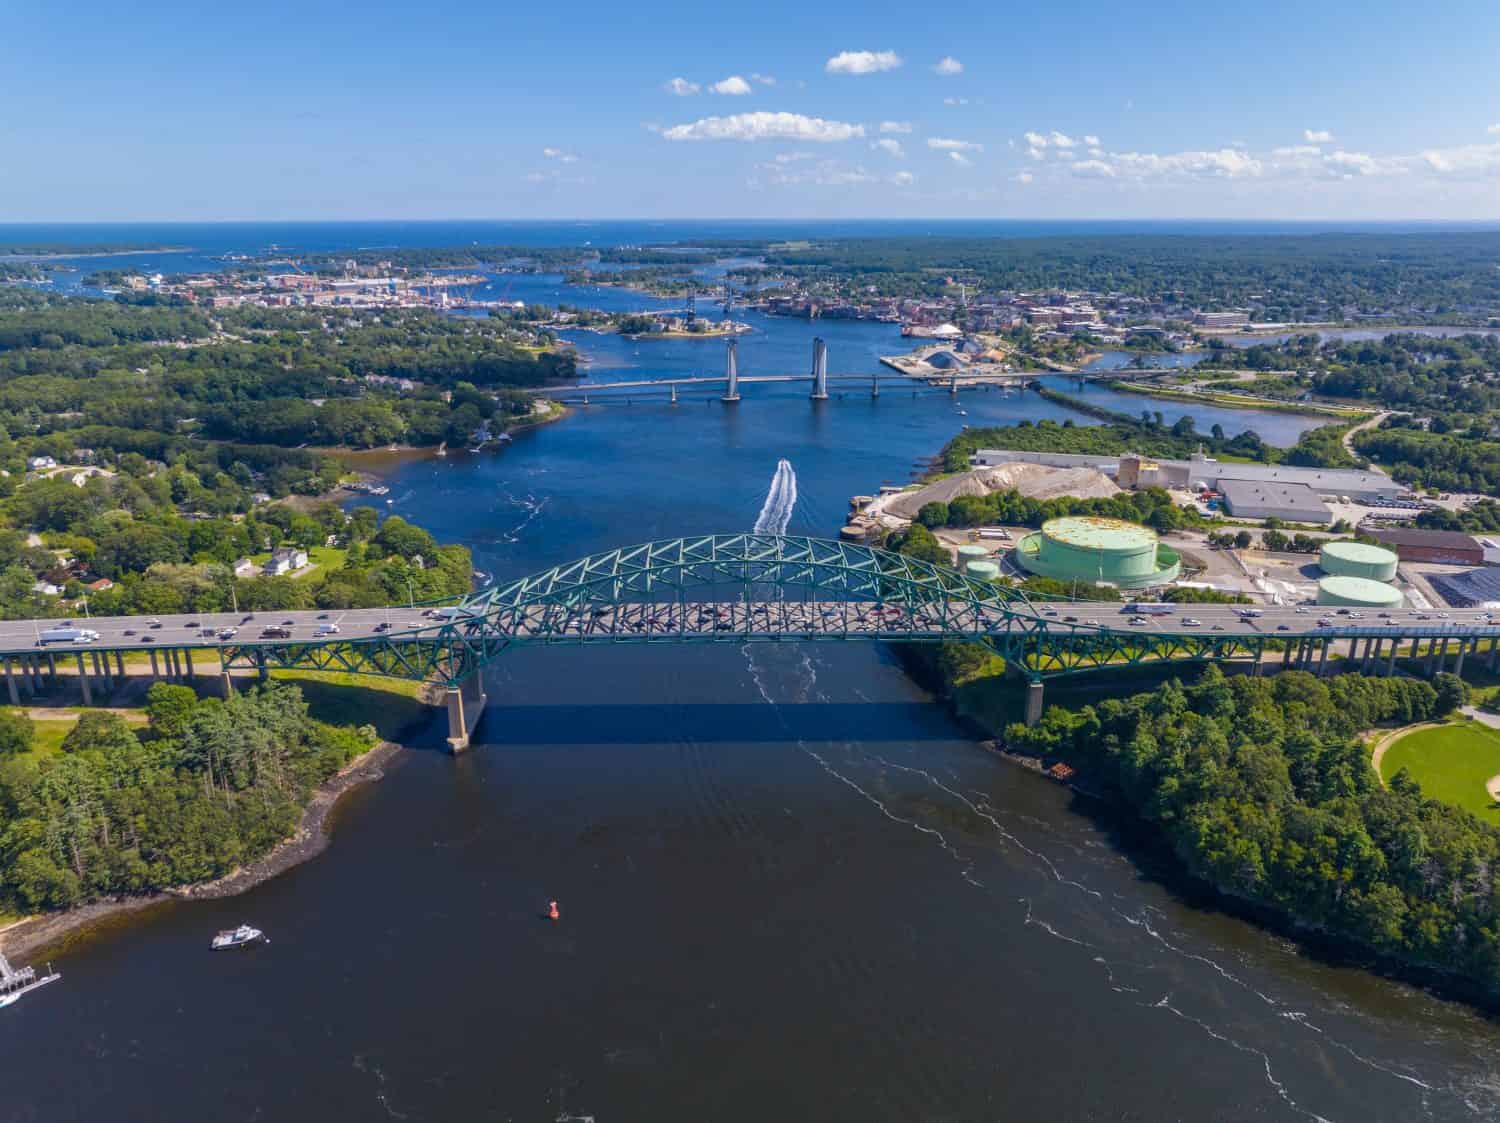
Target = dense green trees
(1263,787)
(207,786)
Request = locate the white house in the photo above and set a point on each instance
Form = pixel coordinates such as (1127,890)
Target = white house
(284,559)
(244,568)
(37,463)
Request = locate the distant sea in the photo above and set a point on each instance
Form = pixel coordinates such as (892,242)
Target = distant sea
(211,238)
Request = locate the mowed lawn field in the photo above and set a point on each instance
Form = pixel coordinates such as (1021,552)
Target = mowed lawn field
(1452,763)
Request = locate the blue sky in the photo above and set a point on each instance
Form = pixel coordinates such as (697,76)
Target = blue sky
(315,110)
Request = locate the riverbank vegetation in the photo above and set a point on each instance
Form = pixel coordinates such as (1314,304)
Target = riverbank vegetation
(206,786)
(1148,435)
(1264,789)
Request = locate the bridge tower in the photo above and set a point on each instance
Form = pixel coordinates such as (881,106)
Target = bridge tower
(953,383)
(732,372)
(820,371)
(875,385)
(674,393)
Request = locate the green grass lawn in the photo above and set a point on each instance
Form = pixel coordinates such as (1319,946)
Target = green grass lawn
(50,731)
(1452,763)
(390,705)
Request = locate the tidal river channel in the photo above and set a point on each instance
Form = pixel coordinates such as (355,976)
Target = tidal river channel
(792,887)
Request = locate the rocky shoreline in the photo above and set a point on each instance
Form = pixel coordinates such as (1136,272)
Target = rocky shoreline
(24,939)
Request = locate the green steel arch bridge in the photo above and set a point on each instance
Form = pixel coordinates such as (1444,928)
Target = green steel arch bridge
(735,589)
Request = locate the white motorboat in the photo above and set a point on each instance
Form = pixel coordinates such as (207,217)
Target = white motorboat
(237,937)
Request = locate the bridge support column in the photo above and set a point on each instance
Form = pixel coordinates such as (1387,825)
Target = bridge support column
(10,683)
(819,371)
(1390,660)
(1034,691)
(875,386)
(1494,650)
(155,670)
(261,668)
(226,684)
(674,393)
(1458,664)
(732,372)
(464,713)
(104,674)
(52,667)
(83,678)
(1323,658)
(188,658)
(119,663)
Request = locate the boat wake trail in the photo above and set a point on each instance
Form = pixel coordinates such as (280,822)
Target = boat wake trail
(776,512)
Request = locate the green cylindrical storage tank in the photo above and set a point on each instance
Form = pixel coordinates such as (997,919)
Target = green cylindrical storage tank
(1355,559)
(984,570)
(1098,549)
(972,553)
(1359,592)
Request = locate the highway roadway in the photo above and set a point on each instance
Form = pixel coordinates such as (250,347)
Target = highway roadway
(728,619)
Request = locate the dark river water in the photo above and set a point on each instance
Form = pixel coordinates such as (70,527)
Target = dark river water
(792,887)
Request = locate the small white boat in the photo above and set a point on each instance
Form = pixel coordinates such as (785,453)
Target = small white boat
(16,983)
(237,937)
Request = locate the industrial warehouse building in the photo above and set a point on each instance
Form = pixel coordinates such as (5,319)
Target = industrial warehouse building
(1446,547)
(1293,503)
(1134,471)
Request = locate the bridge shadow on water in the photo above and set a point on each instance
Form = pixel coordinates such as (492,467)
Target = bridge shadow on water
(710,724)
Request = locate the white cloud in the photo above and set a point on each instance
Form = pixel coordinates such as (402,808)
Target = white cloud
(1036,140)
(1495,128)
(1357,163)
(1060,140)
(764,125)
(895,126)
(1466,158)
(862,62)
(1294,151)
(808,170)
(948,144)
(1096,152)
(1036,153)
(560,155)
(1065,154)
(1317,136)
(1091,141)
(681,87)
(948,65)
(1094,168)
(1023,177)
(734,86)
(955,101)
(791,157)
(890,146)
(959,158)
(763,79)
(1228,163)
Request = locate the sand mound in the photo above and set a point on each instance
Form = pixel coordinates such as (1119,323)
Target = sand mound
(1038,481)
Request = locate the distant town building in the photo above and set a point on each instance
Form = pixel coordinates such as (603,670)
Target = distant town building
(1221,319)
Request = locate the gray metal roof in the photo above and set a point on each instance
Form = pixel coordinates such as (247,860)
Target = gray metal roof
(1283,496)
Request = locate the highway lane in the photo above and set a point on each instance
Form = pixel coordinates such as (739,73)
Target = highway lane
(729,618)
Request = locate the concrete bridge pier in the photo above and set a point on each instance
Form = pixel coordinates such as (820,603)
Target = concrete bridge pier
(10,683)
(732,372)
(1458,663)
(1323,659)
(155,669)
(465,703)
(1390,660)
(83,678)
(875,386)
(1034,691)
(674,393)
